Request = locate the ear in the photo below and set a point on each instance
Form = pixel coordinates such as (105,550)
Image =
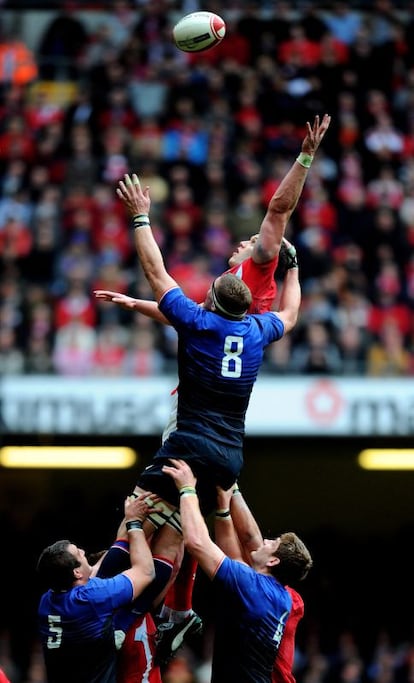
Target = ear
(273,561)
(77,573)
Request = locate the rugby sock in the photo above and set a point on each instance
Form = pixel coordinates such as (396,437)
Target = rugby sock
(178,601)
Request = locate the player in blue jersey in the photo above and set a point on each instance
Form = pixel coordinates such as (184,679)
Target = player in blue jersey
(237,533)
(253,603)
(76,613)
(220,350)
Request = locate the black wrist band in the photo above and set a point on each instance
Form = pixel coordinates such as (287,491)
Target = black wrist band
(134,524)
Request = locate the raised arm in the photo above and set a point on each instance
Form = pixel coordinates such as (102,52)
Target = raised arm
(247,529)
(291,295)
(137,203)
(142,571)
(225,532)
(284,200)
(195,532)
(148,308)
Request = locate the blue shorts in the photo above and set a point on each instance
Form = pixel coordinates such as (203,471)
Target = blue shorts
(213,464)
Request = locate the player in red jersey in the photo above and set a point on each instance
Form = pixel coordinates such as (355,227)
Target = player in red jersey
(238,534)
(136,657)
(283,668)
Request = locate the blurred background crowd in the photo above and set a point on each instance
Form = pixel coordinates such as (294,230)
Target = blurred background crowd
(212,135)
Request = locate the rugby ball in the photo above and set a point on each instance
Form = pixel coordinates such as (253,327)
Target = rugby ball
(199,31)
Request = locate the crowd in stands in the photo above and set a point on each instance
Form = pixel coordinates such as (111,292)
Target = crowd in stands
(212,134)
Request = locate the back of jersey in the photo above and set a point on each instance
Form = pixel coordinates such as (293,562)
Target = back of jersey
(77,637)
(218,363)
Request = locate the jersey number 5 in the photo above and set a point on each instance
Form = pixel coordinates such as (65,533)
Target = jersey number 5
(55,639)
(231,365)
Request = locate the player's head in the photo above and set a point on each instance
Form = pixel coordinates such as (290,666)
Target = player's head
(229,296)
(295,559)
(61,564)
(243,251)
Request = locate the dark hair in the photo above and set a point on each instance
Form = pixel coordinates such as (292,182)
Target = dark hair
(231,296)
(55,566)
(295,559)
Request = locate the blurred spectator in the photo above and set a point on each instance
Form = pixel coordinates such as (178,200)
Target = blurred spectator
(316,354)
(147,142)
(82,166)
(278,357)
(17,62)
(353,350)
(343,22)
(148,93)
(11,358)
(299,49)
(38,357)
(245,218)
(187,140)
(110,350)
(143,358)
(75,305)
(74,348)
(383,139)
(387,355)
(15,240)
(120,21)
(16,140)
(62,44)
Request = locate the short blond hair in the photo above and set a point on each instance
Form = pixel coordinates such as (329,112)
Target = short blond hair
(231,296)
(295,559)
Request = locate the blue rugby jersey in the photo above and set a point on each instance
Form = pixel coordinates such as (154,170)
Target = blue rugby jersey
(76,630)
(218,363)
(251,613)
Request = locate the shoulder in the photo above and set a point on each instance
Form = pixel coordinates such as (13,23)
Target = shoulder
(97,588)
(178,308)
(171,295)
(271,320)
(230,569)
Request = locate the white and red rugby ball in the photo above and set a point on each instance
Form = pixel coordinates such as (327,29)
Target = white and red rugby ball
(199,31)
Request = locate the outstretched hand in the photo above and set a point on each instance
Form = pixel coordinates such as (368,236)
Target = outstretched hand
(315,134)
(139,507)
(181,473)
(136,200)
(123,300)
